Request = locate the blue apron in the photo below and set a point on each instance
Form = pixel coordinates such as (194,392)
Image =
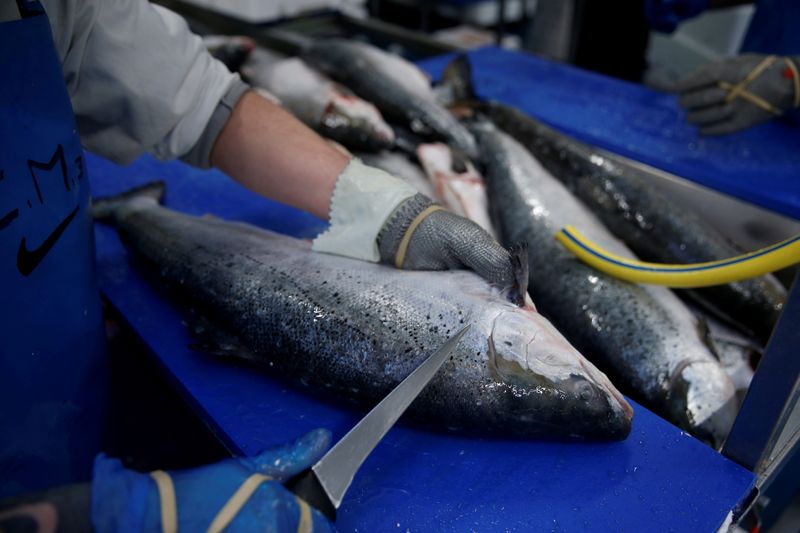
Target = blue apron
(774,28)
(52,349)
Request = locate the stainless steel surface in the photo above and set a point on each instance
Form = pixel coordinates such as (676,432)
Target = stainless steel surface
(766,430)
(336,469)
(751,227)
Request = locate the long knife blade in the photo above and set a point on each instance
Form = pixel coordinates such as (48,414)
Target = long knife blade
(325,485)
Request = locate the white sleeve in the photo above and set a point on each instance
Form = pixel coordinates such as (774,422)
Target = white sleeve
(138,79)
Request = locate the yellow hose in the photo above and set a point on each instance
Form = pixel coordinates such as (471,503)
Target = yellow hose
(749,265)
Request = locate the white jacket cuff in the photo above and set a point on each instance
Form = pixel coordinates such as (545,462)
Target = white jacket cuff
(363,199)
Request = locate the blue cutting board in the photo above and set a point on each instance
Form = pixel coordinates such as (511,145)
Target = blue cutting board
(659,479)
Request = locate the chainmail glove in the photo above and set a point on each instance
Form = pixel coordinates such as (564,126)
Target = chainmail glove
(422,235)
(740,92)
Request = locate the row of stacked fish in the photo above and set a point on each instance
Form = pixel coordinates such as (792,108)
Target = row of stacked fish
(356,329)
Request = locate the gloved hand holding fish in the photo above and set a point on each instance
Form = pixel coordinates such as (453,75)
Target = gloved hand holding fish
(375,216)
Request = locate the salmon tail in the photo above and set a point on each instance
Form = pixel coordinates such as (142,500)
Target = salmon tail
(519,264)
(106,209)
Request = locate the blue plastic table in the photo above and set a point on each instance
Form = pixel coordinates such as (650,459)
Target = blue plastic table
(659,479)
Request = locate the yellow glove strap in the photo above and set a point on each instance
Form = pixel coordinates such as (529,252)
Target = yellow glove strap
(169,507)
(400,257)
(236,502)
(166,496)
(740,89)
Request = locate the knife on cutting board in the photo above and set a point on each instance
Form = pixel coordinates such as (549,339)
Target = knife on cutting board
(324,484)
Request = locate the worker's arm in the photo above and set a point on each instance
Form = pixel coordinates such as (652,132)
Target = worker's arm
(273,154)
(138,79)
(270,152)
(665,15)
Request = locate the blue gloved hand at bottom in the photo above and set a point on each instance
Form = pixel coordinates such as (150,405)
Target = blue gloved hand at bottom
(124,500)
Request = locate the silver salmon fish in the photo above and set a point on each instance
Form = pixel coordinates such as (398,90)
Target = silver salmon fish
(398,88)
(642,336)
(355,329)
(321,104)
(652,226)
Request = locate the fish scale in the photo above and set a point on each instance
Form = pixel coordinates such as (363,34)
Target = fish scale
(356,329)
(642,336)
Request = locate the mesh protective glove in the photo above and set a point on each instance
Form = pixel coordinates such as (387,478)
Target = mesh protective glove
(740,92)
(377,217)
(232,494)
(422,235)
(665,15)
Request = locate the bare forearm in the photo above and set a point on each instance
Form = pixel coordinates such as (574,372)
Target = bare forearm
(270,152)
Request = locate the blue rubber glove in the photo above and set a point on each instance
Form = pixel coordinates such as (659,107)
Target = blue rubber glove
(128,501)
(665,15)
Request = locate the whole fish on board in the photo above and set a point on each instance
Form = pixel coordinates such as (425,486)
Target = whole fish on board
(642,336)
(356,329)
(398,88)
(316,100)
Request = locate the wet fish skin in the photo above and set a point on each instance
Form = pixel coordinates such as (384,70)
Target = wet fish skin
(641,216)
(396,87)
(643,337)
(318,102)
(356,329)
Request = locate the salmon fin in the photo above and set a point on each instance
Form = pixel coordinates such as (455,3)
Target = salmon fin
(456,85)
(105,209)
(519,263)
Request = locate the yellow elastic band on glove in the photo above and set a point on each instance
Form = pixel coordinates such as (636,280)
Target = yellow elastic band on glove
(740,89)
(169,506)
(745,266)
(166,497)
(400,257)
